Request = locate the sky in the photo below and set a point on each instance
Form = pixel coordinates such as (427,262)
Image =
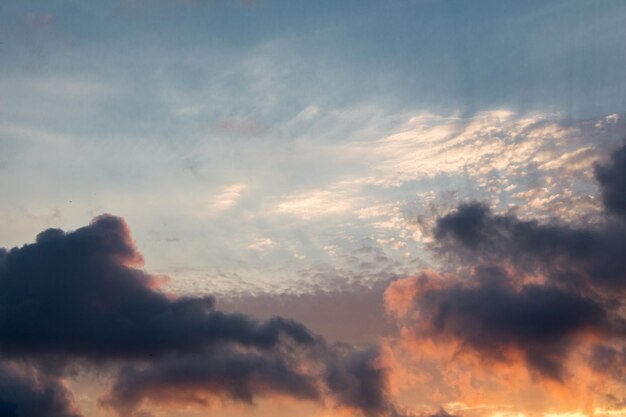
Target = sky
(323,208)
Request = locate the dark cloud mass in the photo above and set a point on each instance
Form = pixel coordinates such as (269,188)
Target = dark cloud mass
(536,289)
(351,377)
(356,381)
(237,375)
(584,259)
(26,393)
(89,299)
(491,317)
(612,177)
(82,295)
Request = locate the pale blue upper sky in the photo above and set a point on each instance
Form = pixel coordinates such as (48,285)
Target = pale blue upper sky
(251,143)
(567,56)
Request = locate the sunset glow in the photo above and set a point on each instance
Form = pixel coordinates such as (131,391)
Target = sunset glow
(350,208)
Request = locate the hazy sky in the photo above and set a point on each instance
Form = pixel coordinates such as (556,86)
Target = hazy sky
(300,159)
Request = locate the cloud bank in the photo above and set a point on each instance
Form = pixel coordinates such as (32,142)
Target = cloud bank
(82,297)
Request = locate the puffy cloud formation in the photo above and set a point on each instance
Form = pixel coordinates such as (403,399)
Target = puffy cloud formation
(82,296)
(89,299)
(583,259)
(546,296)
(491,316)
(26,393)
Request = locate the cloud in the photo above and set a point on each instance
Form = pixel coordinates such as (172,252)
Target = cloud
(442,413)
(610,360)
(240,376)
(612,178)
(26,393)
(338,375)
(545,297)
(355,379)
(83,296)
(348,378)
(262,244)
(228,197)
(587,259)
(493,318)
(335,200)
(578,257)
(109,307)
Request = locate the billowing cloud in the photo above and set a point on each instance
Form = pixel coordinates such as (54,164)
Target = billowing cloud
(585,259)
(89,298)
(575,257)
(492,317)
(82,295)
(546,296)
(24,392)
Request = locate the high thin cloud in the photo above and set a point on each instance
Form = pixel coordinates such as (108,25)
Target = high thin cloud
(82,296)
(521,292)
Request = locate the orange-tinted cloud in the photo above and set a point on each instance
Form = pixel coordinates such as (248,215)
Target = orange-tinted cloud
(529,317)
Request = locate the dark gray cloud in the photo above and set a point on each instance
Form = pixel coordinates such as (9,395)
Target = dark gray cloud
(491,317)
(584,259)
(85,291)
(240,376)
(355,380)
(349,377)
(26,393)
(537,288)
(83,296)
(612,178)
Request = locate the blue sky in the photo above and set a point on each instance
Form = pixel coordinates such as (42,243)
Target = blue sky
(152,110)
(564,56)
